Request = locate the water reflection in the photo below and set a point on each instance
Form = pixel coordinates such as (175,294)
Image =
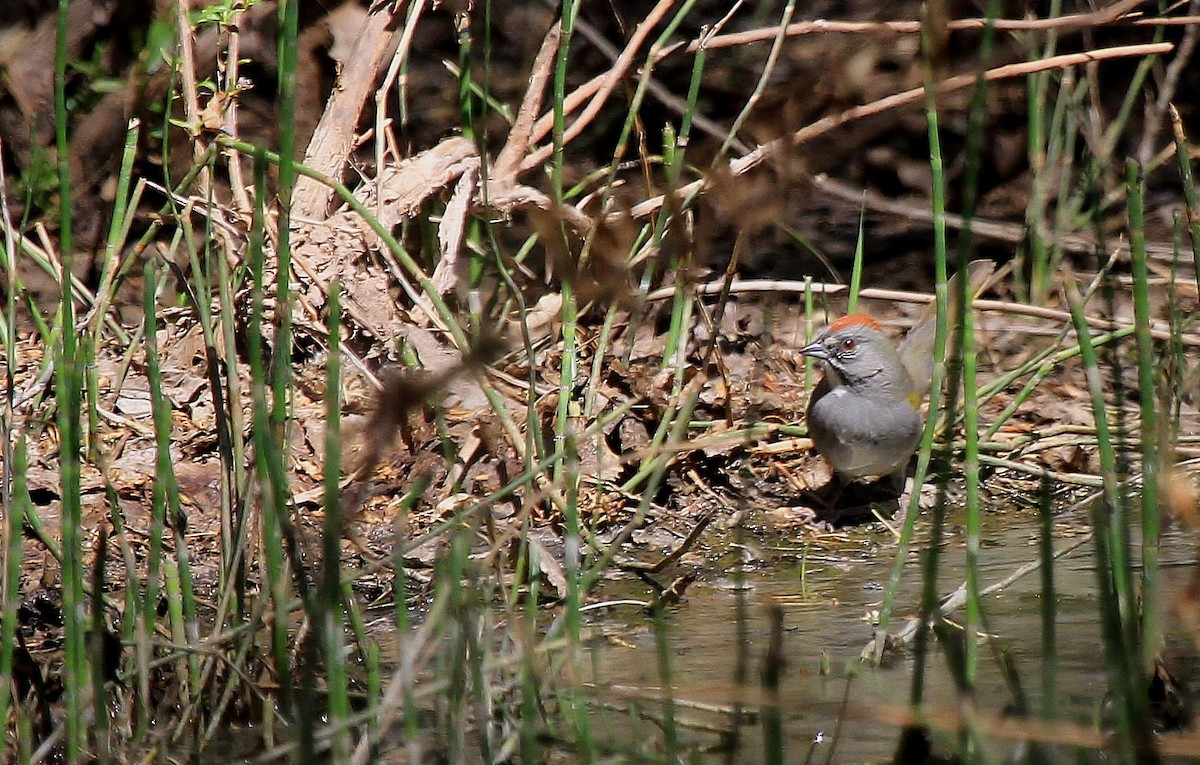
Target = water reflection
(829,594)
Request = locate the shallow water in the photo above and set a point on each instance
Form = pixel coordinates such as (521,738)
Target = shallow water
(825,593)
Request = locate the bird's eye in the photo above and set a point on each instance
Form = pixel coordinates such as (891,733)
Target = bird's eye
(849,344)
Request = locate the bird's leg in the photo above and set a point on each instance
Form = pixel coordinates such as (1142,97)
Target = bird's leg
(899,478)
(858,497)
(827,496)
(826,499)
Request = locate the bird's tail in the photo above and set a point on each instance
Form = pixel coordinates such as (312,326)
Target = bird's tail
(916,349)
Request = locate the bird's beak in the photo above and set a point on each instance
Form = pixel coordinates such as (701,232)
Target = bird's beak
(816,350)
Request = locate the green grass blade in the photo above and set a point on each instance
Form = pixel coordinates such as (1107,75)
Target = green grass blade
(1148,393)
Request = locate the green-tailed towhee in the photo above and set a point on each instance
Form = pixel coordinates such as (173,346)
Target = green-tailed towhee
(863,416)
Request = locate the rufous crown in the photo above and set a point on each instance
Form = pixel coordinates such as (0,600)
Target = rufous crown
(855,320)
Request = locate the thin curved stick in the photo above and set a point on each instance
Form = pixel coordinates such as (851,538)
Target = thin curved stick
(959,82)
(1113,14)
(745,286)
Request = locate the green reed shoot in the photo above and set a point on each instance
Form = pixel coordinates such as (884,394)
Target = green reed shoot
(1118,610)
(1148,391)
(1188,181)
(68,384)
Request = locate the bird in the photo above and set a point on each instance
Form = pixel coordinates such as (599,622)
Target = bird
(864,415)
